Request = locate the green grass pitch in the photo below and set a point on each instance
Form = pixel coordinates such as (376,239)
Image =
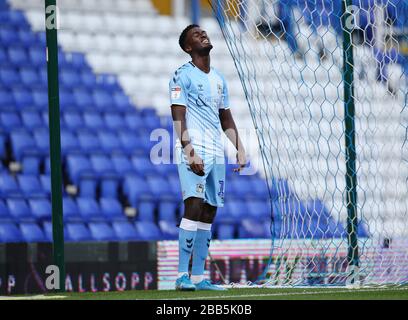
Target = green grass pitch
(386,293)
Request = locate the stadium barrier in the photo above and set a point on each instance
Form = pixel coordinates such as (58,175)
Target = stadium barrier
(90,267)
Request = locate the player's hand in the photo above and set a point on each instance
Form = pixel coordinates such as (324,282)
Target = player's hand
(195,162)
(241,160)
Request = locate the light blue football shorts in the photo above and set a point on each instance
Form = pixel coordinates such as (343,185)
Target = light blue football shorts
(210,187)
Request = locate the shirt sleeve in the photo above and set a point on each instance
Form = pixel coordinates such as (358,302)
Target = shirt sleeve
(177,90)
(225,96)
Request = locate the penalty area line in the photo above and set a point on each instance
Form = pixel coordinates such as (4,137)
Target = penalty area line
(290,294)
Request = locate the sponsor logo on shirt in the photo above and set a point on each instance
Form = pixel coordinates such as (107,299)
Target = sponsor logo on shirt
(176,92)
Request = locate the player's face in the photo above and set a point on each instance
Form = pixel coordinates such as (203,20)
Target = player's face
(198,41)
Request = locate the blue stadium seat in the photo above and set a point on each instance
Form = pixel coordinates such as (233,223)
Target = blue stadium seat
(316,210)
(9,76)
(109,187)
(251,228)
(143,165)
(169,230)
(225,231)
(6,99)
(37,56)
(16,19)
(89,209)
(134,121)
(82,97)
(9,186)
(122,164)
(69,142)
(112,209)
(110,142)
(88,141)
(102,231)
(47,229)
(93,120)
(238,208)
(67,100)
(259,209)
(282,188)
(10,233)
(4,213)
(31,186)
(135,188)
(45,181)
(29,77)
(102,165)
(70,209)
(148,230)
(10,120)
(103,100)
(362,230)
(122,102)
(42,139)
(77,60)
(160,187)
(152,122)
(88,78)
(40,100)
(40,208)
(8,36)
(167,211)
(23,143)
(19,210)
(18,55)
(77,231)
(23,98)
(32,119)
(224,215)
(125,231)
(131,143)
(260,188)
(73,120)
(69,78)
(32,232)
(87,187)
(114,121)
(174,182)
(145,210)
(79,167)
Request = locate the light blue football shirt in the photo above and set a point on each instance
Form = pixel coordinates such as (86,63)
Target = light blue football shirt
(203,95)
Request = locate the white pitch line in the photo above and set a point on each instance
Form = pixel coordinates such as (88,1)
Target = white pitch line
(289,294)
(37,297)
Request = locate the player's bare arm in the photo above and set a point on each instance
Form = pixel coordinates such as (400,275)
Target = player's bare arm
(230,130)
(178,113)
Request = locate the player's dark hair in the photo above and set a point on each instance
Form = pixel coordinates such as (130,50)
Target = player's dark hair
(183,35)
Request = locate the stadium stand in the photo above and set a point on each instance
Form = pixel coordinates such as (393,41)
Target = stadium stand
(113,92)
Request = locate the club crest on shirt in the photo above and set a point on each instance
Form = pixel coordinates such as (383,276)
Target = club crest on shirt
(176,92)
(200,188)
(219,88)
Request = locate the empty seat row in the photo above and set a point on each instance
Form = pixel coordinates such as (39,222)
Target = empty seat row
(100,99)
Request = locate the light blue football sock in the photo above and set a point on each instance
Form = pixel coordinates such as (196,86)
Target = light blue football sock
(186,243)
(200,252)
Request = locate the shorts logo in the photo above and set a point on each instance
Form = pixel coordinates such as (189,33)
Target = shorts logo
(176,93)
(200,188)
(221,190)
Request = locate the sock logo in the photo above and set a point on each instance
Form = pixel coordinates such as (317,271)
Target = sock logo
(189,243)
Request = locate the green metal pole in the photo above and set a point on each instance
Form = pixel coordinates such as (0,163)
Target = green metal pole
(55,139)
(351,175)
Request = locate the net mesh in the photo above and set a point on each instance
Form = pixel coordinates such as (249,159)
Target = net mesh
(289,57)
